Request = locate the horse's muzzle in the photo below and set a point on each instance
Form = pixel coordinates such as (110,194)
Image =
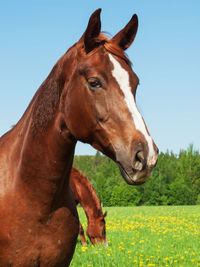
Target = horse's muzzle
(138,170)
(134,177)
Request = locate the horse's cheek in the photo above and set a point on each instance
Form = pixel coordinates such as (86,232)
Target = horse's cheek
(101,107)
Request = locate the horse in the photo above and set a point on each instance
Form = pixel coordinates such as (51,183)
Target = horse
(88,96)
(85,194)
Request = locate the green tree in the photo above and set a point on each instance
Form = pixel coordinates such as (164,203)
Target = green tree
(124,195)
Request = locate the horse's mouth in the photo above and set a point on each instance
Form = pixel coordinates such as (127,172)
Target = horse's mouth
(134,177)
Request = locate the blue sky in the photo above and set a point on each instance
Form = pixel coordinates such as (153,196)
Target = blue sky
(165,56)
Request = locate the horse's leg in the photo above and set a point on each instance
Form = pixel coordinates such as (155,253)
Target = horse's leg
(82,236)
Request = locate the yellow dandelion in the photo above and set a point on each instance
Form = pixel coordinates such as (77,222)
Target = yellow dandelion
(84,249)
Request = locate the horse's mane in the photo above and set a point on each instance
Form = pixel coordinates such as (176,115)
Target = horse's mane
(48,95)
(46,99)
(92,195)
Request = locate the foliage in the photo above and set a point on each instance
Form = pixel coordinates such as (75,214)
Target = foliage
(174,181)
(145,236)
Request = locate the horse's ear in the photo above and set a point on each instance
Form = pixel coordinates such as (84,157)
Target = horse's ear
(126,36)
(92,31)
(105,213)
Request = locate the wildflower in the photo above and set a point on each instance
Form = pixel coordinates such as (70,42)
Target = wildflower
(84,249)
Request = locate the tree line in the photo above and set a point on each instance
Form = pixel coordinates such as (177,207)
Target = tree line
(174,181)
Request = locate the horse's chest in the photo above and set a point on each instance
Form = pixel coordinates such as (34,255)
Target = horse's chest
(60,238)
(50,244)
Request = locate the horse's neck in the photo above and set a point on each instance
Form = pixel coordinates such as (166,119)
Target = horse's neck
(40,153)
(88,198)
(44,162)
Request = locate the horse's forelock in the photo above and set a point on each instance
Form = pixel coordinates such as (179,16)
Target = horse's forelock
(113,48)
(109,45)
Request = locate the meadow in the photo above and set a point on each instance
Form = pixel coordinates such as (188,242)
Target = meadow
(145,236)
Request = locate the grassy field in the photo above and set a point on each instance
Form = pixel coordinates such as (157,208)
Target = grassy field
(145,236)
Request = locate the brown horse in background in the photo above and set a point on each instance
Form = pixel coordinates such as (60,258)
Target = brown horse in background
(89,96)
(85,194)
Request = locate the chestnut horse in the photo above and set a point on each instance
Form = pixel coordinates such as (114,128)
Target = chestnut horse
(89,96)
(85,194)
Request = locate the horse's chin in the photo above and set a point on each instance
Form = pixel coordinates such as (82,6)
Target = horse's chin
(134,177)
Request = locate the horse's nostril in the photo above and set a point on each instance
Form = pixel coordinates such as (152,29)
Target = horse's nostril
(139,161)
(140,156)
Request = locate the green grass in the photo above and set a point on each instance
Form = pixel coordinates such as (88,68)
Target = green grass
(145,236)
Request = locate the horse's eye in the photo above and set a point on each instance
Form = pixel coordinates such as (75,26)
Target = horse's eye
(94,83)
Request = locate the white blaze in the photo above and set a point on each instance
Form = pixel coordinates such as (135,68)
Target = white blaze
(122,78)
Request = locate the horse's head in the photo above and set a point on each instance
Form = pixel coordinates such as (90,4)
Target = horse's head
(99,100)
(96,230)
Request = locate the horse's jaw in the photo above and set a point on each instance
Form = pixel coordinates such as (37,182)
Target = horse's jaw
(132,176)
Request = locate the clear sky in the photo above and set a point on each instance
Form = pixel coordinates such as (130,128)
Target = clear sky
(165,56)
